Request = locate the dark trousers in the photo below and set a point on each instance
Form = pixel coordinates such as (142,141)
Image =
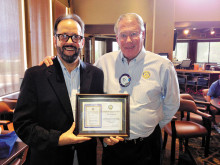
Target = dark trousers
(145,151)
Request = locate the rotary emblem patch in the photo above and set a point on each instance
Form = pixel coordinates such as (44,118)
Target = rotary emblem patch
(146,74)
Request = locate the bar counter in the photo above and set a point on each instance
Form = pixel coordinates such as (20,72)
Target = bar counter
(211,75)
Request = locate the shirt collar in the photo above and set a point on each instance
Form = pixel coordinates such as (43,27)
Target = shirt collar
(64,68)
(138,58)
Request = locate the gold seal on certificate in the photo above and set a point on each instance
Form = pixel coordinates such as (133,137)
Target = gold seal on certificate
(101,115)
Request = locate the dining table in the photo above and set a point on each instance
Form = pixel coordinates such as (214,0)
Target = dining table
(216,102)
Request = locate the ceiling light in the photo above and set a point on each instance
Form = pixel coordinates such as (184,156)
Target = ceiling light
(212,31)
(186,31)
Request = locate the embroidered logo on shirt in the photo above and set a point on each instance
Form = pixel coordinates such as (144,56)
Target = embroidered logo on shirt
(146,74)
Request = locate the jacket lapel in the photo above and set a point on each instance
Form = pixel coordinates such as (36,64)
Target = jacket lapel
(57,81)
(85,78)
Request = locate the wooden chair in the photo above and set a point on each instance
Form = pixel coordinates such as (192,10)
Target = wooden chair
(10,102)
(5,110)
(213,110)
(183,130)
(194,117)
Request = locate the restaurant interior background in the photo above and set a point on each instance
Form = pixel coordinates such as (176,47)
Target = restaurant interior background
(180,30)
(27,31)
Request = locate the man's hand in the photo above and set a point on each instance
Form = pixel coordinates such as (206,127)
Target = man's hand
(47,60)
(208,98)
(112,141)
(69,138)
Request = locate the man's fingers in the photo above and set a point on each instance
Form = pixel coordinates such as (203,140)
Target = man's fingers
(50,60)
(114,140)
(41,63)
(110,141)
(47,63)
(82,139)
(106,140)
(119,138)
(47,60)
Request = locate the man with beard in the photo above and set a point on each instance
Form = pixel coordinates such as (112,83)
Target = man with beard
(45,112)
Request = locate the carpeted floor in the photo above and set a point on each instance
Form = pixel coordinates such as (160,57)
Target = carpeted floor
(198,152)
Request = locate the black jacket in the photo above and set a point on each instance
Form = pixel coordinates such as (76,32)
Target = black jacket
(43,112)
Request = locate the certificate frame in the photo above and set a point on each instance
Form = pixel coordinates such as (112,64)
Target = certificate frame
(102,115)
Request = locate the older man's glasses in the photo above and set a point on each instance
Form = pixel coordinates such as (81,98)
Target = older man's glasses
(133,35)
(65,37)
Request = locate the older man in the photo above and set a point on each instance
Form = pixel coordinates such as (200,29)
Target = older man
(152,84)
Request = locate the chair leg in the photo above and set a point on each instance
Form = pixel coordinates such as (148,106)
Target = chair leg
(186,142)
(180,144)
(173,150)
(203,141)
(165,140)
(5,126)
(207,142)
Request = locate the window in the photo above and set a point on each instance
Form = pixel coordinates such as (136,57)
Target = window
(181,51)
(202,51)
(100,49)
(115,46)
(208,52)
(214,55)
(11,56)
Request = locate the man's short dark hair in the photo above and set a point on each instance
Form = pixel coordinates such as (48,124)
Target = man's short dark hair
(70,16)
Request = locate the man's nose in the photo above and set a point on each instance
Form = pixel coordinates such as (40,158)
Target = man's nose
(70,40)
(128,39)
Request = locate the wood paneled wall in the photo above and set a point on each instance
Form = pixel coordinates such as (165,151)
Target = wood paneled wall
(39,28)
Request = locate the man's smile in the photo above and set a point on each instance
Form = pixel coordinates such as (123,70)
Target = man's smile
(69,48)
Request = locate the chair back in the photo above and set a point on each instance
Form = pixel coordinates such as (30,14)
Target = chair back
(4,108)
(188,106)
(186,96)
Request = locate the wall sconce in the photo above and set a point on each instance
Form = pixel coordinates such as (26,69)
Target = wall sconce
(212,31)
(186,31)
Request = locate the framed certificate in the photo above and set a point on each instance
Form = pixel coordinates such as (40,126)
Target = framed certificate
(102,115)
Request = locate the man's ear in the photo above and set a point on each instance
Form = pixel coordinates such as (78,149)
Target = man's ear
(82,43)
(143,35)
(117,39)
(54,41)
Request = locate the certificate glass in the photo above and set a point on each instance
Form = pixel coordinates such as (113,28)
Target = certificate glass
(102,115)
